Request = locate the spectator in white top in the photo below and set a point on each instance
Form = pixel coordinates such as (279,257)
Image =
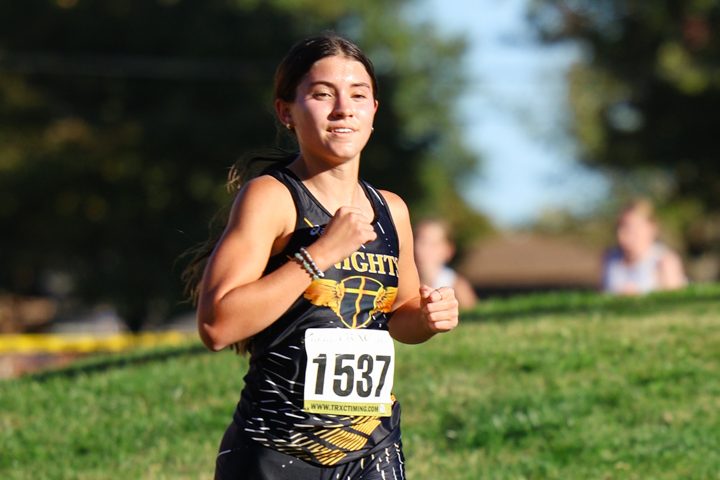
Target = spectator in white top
(640,263)
(434,248)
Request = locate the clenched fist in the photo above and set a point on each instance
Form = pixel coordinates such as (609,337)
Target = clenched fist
(439,307)
(348,229)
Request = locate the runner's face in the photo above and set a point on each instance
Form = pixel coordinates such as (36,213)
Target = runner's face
(333,110)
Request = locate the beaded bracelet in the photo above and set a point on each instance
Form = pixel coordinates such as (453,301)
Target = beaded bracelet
(309,259)
(306,261)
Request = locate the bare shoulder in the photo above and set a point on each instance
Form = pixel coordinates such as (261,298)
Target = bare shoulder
(262,218)
(400,217)
(260,196)
(266,185)
(264,209)
(398,208)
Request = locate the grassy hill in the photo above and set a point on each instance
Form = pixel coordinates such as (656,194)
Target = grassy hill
(566,386)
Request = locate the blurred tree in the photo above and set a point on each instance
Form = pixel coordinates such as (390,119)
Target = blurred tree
(646,100)
(119,119)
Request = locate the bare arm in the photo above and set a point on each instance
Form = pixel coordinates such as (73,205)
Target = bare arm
(464,293)
(671,274)
(419,312)
(235,300)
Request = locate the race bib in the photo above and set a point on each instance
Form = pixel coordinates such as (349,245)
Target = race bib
(349,372)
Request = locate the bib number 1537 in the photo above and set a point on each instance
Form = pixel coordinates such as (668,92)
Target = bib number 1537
(349,372)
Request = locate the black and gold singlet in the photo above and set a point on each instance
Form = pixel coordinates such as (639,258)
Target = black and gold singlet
(357,293)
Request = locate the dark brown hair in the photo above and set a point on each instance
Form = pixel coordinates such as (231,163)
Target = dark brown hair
(303,55)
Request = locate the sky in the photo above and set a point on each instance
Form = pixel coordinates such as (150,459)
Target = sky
(515,113)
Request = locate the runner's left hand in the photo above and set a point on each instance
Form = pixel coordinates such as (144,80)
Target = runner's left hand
(439,308)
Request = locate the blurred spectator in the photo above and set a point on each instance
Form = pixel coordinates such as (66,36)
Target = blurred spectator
(434,248)
(640,263)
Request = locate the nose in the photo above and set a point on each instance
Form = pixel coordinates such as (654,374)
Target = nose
(343,106)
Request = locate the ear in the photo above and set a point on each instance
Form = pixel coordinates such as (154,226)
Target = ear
(282,110)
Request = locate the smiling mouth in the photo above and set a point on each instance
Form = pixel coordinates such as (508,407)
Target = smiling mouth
(341,130)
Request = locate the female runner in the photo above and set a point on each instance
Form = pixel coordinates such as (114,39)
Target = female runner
(314,276)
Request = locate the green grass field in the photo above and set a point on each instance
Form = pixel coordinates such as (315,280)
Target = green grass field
(563,386)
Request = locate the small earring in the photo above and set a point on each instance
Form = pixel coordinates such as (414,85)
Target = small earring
(288,126)
(372,129)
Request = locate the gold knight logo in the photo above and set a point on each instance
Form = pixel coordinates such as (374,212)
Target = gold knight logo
(355,300)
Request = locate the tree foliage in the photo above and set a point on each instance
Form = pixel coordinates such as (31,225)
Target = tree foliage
(120,118)
(646,100)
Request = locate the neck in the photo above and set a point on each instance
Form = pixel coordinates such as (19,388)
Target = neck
(637,255)
(333,185)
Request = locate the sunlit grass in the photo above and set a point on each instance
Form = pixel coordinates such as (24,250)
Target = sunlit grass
(552,386)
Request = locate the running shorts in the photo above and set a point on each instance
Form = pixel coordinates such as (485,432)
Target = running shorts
(241,457)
